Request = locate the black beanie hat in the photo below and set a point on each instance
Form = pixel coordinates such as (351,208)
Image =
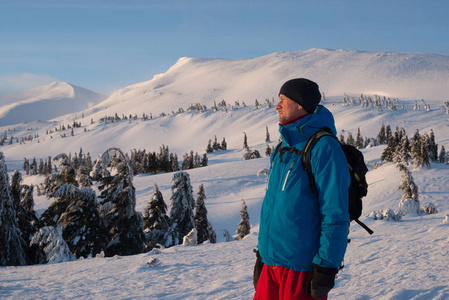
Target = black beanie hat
(303,91)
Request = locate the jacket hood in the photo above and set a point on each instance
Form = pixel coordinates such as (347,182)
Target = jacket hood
(307,126)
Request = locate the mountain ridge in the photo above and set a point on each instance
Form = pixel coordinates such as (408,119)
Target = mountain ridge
(46,102)
(205,80)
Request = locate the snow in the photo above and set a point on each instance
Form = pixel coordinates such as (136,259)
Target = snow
(401,260)
(45,102)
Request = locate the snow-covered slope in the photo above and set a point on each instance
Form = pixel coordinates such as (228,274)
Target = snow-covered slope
(402,260)
(46,102)
(192,80)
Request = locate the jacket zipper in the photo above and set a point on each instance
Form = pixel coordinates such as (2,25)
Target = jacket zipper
(288,173)
(269,175)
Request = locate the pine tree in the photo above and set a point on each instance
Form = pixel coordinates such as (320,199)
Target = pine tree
(267,136)
(433,147)
(26,218)
(244,226)
(118,197)
(174,163)
(26,166)
(245,142)
(11,241)
(425,155)
(416,150)
(387,154)
(205,232)
(197,161)
(224,145)
(66,175)
(409,190)
(155,220)
(27,201)
(204,160)
(49,241)
(350,139)
(209,148)
(181,209)
(81,224)
(215,145)
(388,133)
(359,140)
(442,156)
(268,150)
(405,149)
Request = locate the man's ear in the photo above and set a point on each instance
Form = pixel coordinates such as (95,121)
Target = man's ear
(302,111)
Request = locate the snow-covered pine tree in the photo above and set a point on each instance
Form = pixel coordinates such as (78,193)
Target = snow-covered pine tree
(155,220)
(442,156)
(350,139)
(215,145)
(187,163)
(26,218)
(268,150)
(359,143)
(81,224)
(204,228)
(11,241)
(209,148)
(244,226)
(404,151)
(197,161)
(181,209)
(224,145)
(425,150)
(415,150)
(433,147)
(409,200)
(26,166)
(50,242)
(65,175)
(267,135)
(387,154)
(204,160)
(245,142)
(388,133)
(118,197)
(27,201)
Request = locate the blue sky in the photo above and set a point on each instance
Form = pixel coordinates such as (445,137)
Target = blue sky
(107,45)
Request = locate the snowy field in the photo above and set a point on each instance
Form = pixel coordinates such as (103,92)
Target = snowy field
(401,260)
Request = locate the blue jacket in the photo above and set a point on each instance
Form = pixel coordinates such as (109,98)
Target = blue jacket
(296,226)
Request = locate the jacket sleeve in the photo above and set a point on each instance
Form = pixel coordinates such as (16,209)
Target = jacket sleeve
(331,172)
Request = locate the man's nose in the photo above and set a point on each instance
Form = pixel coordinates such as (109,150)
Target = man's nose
(278,106)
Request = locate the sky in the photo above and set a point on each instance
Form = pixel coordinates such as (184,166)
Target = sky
(107,45)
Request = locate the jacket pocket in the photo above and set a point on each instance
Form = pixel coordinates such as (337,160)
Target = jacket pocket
(288,173)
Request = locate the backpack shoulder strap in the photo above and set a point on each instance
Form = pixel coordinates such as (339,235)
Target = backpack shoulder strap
(279,149)
(306,164)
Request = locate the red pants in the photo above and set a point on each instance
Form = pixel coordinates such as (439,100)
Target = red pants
(280,283)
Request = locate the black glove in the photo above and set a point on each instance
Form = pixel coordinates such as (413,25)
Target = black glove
(321,281)
(257,268)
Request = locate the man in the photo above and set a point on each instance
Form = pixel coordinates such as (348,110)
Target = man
(303,235)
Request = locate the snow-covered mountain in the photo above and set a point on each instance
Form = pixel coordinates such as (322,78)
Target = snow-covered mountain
(46,102)
(402,260)
(205,80)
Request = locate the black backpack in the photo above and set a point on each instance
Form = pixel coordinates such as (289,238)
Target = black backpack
(358,187)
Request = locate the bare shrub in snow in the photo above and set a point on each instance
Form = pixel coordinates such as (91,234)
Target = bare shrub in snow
(263,171)
(429,209)
(386,214)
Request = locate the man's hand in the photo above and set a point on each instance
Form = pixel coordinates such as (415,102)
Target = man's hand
(321,281)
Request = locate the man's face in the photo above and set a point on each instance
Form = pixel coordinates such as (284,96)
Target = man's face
(288,109)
